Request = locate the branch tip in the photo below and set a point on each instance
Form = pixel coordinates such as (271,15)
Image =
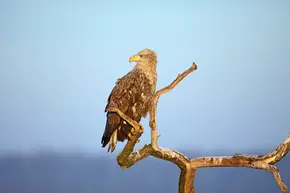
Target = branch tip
(287,140)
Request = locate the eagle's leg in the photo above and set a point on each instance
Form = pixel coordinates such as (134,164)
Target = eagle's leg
(129,137)
(141,129)
(133,132)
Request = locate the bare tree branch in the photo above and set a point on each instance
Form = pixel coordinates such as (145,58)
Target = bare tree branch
(127,157)
(252,161)
(166,89)
(240,160)
(186,180)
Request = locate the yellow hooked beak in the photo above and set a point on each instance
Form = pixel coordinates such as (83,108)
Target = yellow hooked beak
(135,58)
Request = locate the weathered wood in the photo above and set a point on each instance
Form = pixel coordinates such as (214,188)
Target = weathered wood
(128,157)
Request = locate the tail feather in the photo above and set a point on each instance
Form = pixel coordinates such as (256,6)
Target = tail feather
(116,130)
(120,134)
(124,130)
(113,121)
(113,142)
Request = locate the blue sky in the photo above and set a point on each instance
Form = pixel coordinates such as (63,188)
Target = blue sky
(60,59)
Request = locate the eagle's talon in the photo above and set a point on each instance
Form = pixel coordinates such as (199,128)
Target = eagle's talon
(132,130)
(142,129)
(129,136)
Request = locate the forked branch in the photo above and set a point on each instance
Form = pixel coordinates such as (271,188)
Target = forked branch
(127,157)
(264,162)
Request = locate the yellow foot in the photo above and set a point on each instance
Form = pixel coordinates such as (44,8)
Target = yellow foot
(142,129)
(132,130)
(138,140)
(129,136)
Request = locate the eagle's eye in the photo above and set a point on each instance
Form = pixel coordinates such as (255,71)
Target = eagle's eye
(141,55)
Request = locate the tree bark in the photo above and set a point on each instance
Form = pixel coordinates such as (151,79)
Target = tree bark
(186,180)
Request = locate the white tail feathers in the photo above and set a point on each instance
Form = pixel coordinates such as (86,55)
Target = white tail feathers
(113,141)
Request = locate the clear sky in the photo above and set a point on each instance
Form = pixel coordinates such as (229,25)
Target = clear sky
(60,59)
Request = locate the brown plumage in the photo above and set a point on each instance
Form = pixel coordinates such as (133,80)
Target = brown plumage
(132,95)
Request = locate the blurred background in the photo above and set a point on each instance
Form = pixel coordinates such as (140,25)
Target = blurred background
(59,61)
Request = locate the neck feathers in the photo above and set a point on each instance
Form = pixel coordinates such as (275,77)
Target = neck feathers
(149,69)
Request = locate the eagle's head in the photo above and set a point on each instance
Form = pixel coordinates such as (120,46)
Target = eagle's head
(144,58)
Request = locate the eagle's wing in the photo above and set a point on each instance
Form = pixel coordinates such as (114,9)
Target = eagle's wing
(123,96)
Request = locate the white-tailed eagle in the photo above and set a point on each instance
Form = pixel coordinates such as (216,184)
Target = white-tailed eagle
(132,95)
